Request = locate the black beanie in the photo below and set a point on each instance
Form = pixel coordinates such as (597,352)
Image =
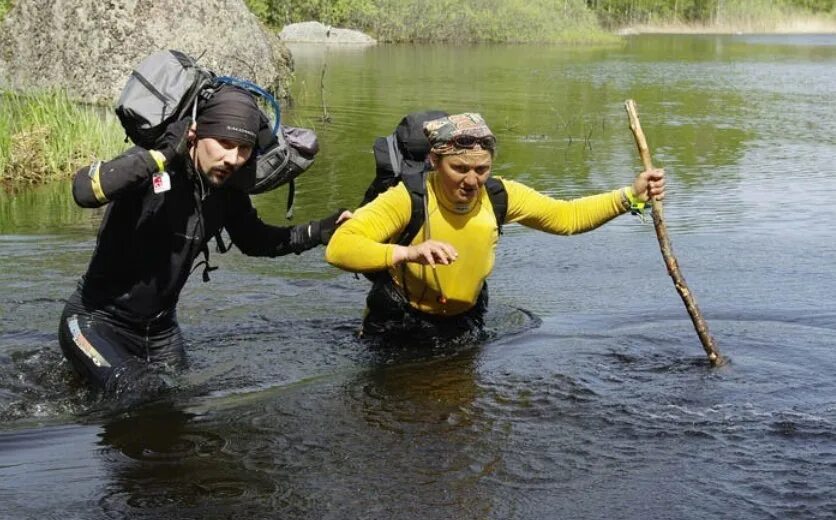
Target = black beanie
(231,113)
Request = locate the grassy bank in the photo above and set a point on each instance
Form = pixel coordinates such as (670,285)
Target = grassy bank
(492,21)
(460,21)
(796,24)
(730,16)
(46,137)
(452,21)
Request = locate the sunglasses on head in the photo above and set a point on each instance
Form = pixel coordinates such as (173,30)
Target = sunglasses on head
(468,141)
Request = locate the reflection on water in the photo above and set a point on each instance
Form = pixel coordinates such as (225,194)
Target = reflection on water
(147,454)
(599,405)
(513,428)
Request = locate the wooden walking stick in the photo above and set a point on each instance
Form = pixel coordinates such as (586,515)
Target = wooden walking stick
(665,245)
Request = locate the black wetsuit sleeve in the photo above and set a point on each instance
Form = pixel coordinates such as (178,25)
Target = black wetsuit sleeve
(254,237)
(101,182)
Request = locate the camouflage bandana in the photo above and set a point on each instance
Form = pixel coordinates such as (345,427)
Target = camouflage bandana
(458,134)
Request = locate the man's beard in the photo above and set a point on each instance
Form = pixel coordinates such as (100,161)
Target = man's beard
(218,176)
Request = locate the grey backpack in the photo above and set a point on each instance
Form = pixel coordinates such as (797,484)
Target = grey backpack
(160,90)
(168,85)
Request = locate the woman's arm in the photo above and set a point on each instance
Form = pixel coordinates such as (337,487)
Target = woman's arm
(361,244)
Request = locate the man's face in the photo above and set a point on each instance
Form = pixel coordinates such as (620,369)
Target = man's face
(218,159)
(462,176)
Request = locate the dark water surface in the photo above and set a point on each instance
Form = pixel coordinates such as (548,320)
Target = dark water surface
(593,401)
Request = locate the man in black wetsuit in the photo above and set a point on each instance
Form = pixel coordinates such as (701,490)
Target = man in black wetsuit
(163,207)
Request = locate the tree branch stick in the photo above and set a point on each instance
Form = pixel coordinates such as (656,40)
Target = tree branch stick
(325,117)
(667,251)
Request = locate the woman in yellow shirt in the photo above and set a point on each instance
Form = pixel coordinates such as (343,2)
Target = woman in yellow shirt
(437,283)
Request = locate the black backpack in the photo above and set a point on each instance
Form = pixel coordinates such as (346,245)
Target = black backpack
(402,157)
(168,85)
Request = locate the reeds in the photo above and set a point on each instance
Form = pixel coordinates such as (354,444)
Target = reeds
(47,136)
(451,21)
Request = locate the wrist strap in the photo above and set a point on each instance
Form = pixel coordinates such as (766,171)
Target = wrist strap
(159,158)
(636,205)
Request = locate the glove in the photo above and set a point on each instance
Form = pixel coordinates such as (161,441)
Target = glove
(328,225)
(314,233)
(174,142)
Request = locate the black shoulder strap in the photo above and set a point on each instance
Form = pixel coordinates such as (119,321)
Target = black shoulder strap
(499,200)
(185,60)
(415,185)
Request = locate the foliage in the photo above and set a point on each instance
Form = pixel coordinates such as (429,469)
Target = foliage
(442,20)
(5,5)
(484,20)
(705,12)
(521,20)
(47,136)
(343,13)
(816,6)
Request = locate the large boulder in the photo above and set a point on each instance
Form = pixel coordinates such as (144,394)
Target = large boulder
(315,32)
(89,47)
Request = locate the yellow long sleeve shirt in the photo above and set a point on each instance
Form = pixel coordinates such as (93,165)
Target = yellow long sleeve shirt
(363,243)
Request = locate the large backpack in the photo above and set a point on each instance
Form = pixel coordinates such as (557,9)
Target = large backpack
(402,157)
(161,89)
(167,86)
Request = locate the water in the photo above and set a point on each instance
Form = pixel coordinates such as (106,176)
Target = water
(593,401)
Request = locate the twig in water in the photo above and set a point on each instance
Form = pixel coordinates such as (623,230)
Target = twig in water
(326,118)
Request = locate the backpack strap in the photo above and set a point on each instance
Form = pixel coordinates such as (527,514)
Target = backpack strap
(394,155)
(416,186)
(291,197)
(499,200)
(220,245)
(205,263)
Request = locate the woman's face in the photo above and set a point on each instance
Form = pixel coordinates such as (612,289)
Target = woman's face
(463,175)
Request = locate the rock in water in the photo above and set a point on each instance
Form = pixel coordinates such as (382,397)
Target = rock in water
(315,32)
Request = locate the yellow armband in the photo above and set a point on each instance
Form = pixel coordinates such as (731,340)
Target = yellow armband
(159,158)
(96,182)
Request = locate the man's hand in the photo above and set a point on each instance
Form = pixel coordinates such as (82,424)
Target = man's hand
(649,185)
(431,252)
(175,140)
(329,224)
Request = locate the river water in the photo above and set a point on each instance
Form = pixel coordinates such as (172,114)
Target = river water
(590,397)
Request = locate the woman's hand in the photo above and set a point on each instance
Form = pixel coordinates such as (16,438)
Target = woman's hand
(345,215)
(431,252)
(649,185)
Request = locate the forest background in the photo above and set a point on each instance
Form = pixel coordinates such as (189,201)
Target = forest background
(544,20)
(566,21)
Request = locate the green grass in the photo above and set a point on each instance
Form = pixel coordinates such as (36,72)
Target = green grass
(449,21)
(47,136)
(551,21)
(486,21)
(744,15)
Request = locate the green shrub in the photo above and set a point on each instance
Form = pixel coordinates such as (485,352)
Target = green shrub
(763,14)
(46,136)
(455,21)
